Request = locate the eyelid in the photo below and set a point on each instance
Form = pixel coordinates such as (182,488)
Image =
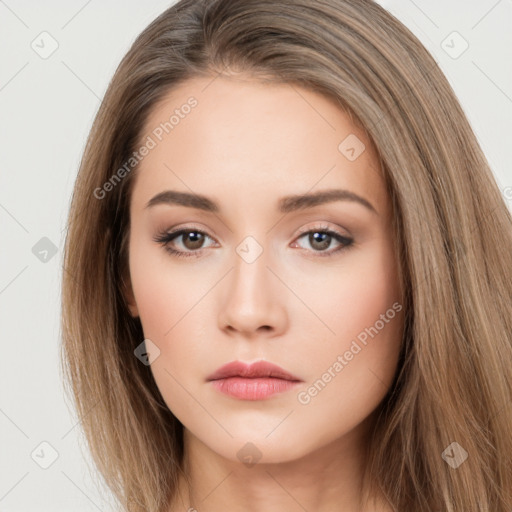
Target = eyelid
(323,226)
(167,236)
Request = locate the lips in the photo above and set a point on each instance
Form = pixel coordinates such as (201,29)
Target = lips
(257,381)
(260,369)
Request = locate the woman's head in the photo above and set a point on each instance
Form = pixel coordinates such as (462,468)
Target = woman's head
(251,280)
(246,102)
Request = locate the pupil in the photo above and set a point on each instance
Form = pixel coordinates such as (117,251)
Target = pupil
(198,239)
(317,237)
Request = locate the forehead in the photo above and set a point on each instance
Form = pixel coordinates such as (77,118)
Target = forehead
(252,142)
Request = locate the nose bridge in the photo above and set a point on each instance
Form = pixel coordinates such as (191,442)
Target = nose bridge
(250,300)
(251,274)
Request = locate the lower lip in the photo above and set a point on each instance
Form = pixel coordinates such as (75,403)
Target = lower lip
(252,389)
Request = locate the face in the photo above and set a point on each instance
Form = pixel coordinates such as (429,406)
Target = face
(310,285)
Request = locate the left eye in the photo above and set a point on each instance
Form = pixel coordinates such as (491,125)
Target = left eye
(196,241)
(321,238)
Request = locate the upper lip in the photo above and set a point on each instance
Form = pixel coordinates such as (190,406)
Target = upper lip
(254,370)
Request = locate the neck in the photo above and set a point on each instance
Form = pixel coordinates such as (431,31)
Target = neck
(329,478)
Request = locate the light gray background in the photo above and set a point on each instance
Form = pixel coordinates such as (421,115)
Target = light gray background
(46,110)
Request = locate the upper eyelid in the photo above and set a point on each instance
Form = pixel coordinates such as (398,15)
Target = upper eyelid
(167,238)
(323,228)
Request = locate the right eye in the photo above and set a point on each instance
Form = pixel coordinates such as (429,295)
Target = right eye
(197,238)
(326,235)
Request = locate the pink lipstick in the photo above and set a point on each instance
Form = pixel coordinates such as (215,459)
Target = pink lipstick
(256,381)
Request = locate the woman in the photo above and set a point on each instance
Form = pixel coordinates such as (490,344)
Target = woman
(287,277)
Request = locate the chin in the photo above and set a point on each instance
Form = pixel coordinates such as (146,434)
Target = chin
(252,447)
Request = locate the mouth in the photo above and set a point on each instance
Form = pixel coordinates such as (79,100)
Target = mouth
(256,381)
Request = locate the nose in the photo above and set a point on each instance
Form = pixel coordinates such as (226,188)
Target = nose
(252,301)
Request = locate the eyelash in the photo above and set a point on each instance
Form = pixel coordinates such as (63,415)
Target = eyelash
(165,238)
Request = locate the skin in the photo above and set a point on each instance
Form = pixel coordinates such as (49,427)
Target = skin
(245,145)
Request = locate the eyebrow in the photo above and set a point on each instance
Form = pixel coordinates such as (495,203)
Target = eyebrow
(285,204)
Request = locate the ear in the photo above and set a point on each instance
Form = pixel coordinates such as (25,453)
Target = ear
(130,298)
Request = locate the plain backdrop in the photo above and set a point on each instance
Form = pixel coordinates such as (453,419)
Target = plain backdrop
(47,105)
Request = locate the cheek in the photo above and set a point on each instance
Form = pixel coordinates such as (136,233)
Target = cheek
(354,364)
(350,298)
(170,319)
(349,378)
(174,310)
(162,291)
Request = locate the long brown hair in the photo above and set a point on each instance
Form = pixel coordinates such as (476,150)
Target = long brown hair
(452,394)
